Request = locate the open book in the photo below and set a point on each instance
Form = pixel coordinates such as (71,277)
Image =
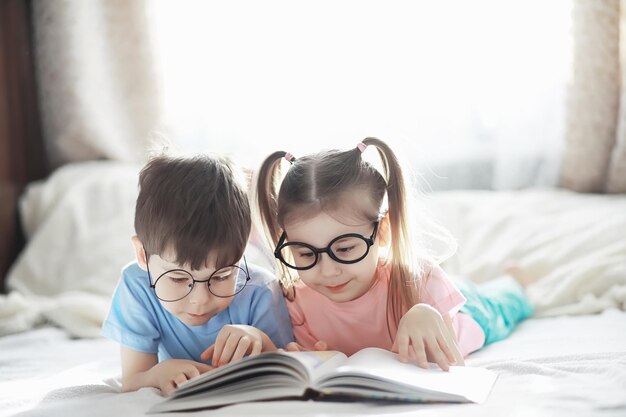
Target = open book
(370,374)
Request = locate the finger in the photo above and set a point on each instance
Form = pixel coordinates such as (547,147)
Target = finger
(218,347)
(402,344)
(436,354)
(191,372)
(420,352)
(293,347)
(257,346)
(180,378)
(203,367)
(229,349)
(167,388)
(444,345)
(320,345)
(456,350)
(207,355)
(242,348)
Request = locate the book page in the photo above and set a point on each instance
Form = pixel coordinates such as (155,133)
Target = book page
(298,367)
(320,363)
(374,370)
(271,375)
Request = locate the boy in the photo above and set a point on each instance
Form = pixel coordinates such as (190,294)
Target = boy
(190,288)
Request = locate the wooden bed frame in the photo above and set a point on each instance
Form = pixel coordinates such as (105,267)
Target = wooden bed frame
(22,154)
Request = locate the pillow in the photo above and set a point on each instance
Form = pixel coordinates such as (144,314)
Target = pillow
(78,225)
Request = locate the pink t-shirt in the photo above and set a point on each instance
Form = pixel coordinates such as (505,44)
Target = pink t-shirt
(351,326)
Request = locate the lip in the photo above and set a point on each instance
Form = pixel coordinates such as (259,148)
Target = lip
(198,316)
(337,288)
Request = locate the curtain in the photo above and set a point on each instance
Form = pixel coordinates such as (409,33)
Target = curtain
(97,79)
(595,152)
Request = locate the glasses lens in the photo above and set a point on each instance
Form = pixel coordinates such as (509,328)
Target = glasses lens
(298,256)
(223,282)
(349,249)
(173,285)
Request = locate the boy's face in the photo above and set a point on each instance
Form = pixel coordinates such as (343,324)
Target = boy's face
(200,305)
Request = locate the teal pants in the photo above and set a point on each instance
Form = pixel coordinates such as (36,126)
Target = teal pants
(497,306)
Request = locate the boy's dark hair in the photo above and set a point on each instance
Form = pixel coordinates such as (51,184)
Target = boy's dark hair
(192,206)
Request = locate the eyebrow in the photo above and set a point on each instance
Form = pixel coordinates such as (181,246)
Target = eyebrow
(178,269)
(326,244)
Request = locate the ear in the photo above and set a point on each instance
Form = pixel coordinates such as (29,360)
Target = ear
(140,253)
(384,231)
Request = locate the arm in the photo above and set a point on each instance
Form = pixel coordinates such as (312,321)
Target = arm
(135,367)
(141,370)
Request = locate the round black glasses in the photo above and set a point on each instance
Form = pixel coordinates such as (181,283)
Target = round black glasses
(345,249)
(176,284)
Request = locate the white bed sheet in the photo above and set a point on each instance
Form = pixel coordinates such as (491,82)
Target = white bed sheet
(558,366)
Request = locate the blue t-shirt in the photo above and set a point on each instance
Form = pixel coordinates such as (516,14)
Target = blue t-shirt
(137,320)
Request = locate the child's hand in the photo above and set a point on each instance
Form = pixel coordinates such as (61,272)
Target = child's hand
(171,373)
(295,347)
(235,341)
(423,329)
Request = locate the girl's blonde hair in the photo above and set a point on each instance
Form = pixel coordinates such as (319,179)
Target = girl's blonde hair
(324,182)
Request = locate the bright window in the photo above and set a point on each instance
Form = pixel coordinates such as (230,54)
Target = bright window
(471,89)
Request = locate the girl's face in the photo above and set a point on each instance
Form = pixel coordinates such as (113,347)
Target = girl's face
(337,281)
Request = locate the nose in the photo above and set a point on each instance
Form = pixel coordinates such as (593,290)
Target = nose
(200,293)
(328,267)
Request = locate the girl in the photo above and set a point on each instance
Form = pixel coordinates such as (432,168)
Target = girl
(342,227)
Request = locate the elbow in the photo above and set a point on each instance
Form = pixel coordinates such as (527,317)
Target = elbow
(126,387)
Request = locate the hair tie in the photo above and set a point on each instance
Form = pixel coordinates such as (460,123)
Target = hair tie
(289,157)
(361,146)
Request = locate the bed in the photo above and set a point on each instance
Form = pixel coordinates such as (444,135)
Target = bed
(569,359)
(552,366)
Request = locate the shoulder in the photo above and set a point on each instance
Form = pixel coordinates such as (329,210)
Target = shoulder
(434,279)
(433,272)
(134,283)
(438,290)
(306,298)
(262,293)
(302,296)
(133,276)
(262,281)
(260,276)
(132,269)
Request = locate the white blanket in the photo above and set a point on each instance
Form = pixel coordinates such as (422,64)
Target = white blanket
(573,246)
(80,220)
(559,366)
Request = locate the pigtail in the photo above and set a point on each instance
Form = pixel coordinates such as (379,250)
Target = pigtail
(267,188)
(405,271)
(267,195)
